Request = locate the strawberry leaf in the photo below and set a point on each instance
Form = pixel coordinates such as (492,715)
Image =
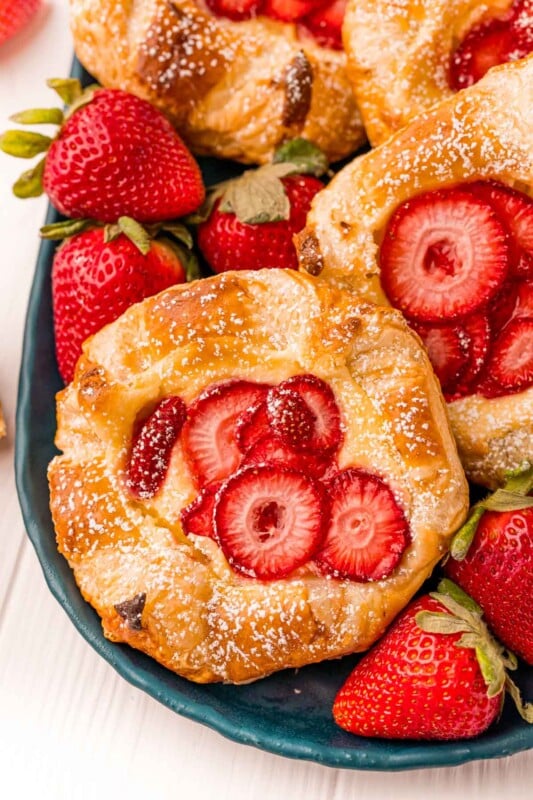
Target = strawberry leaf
(66,228)
(520,481)
(179,232)
(440,622)
(452,590)
(68,89)
(492,670)
(305,157)
(24,144)
(135,232)
(30,183)
(38,116)
(256,197)
(503,500)
(524,709)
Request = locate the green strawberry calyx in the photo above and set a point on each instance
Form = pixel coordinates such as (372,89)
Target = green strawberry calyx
(172,233)
(28,144)
(258,195)
(464,616)
(513,496)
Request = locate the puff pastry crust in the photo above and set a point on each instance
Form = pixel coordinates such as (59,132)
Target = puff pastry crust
(234,90)
(198,616)
(398,55)
(483,132)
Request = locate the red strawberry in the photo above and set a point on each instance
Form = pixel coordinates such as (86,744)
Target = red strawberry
(198,517)
(475,337)
(498,573)
(14,15)
(367,532)
(319,398)
(511,362)
(290,10)
(290,417)
(486,45)
(209,435)
(94,281)
(524,300)
(271,450)
(515,210)
(115,155)
(228,241)
(269,520)
(422,680)
(235,9)
(325,24)
(445,254)
(447,352)
(251,427)
(152,446)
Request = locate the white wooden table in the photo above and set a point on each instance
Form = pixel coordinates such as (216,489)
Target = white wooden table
(70,727)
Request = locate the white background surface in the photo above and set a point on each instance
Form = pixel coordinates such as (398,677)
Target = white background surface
(70,727)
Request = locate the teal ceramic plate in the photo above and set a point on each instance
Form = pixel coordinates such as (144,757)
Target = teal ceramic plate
(288,713)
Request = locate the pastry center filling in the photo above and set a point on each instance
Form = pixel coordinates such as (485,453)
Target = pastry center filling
(458,262)
(263,459)
(320,20)
(492,41)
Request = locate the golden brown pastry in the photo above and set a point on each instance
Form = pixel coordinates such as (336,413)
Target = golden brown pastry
(233,89)
(478,140)
(2,423)
(400,51)
(178,597)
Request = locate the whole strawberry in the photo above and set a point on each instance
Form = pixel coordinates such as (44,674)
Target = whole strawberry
(94,280)
(14,15)
(249,222)
(436,674)
(493,561)
(114,155)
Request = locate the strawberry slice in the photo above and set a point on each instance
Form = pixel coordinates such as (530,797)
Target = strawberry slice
(251,427)
(269,520)
(445,254)
(511,362)
(209,435)
(475,334)
(515,210)
(486,45)
(524,300)
(272,450)
(367,532)
(325,24)
(326,434)
(447,352)
(290,417)
(152,446)
(290,10)
(234,9)
(197,518)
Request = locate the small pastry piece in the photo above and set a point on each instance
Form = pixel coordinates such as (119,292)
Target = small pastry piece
(403,57)
(2,423)
(257,473)
(429,222)
(234,87)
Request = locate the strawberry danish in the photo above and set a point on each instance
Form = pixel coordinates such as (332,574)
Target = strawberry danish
(403,57)
(236,77)
(438,222)
(257,473)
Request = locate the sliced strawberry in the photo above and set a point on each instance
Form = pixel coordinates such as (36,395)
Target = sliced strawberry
(290,417)
(209,435)
(152,446)
(319,398)
(524,300)
(475,336)
(511,362)
(367,532)
(197,518)
(502,307)
(325,24)
(234,9)
(271,450)
(269,520)
(515,210)
(486,45)
(445,254)
(251,427)
(290,10)
(446,350)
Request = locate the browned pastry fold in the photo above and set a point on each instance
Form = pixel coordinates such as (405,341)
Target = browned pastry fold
(482,132)
(177,598)
(234,90)
(399,53)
